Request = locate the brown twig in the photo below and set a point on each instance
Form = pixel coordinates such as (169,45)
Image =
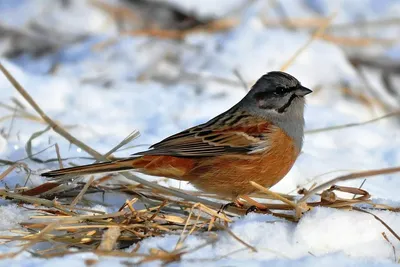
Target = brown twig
(351,176)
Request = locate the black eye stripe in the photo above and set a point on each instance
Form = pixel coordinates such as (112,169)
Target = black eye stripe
(284,90)
(279,91)
(263,95)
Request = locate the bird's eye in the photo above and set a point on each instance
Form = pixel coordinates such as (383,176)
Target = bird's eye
(280,90)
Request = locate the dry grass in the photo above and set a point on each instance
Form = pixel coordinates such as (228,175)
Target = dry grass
(62,222)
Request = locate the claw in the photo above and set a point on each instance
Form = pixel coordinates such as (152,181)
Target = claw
(252,209)
(225,206)
(257,209)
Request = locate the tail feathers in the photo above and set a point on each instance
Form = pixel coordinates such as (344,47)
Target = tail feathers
(112,166)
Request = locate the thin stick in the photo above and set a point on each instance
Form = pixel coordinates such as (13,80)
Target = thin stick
(49,121)
(275,195)
(351,176)
(35,200)
(236,237)
(391,244)
(349,125)
(179,242)
(59,156)
(10,169)
(240,77)
(319,32)
(84,189)
(381,221)
(126,140)
(362,184)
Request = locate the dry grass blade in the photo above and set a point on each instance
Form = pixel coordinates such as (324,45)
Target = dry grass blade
(181,237)
(35,200)
(352,176)
(240,78)
(213,26)
(273,194)
(84,189)
(316,35)
(299,208)
(133,135)
(59,156)
(235,237)
(349,125)
(38,237)
(28,146)
(381,221)
(20,114)
(10,169)
(315,22)
(49,121)
(109,239)
(391,244)
(358,42)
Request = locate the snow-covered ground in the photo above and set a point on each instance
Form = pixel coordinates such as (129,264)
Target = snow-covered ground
(104,92)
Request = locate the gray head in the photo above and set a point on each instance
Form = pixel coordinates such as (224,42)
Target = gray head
(279,98)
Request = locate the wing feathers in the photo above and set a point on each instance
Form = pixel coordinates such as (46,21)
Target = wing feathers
(237,132)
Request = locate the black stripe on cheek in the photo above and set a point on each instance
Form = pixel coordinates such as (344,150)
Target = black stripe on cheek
(284,107)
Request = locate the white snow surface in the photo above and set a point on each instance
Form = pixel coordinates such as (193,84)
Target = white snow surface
(105,94)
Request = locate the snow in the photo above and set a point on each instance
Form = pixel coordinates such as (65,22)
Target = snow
(103,94)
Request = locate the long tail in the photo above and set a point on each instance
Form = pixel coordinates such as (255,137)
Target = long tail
(112,166)
(165,166)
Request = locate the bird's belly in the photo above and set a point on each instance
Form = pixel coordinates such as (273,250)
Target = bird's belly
(231,175)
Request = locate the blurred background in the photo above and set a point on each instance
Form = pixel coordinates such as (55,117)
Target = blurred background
(105,68)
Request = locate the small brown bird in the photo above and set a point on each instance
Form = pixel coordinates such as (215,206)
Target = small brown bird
(258,139)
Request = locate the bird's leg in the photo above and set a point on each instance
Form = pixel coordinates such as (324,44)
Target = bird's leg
(235,203)
(255,206)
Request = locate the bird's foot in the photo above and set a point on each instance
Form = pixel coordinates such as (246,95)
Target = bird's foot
(236,203)
(258,209)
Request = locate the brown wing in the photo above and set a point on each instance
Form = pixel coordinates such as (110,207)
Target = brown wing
(231,132)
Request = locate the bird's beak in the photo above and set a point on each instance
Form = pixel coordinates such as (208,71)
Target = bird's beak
(302,91)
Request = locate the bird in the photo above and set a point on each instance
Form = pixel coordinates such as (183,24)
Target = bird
(258,139)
